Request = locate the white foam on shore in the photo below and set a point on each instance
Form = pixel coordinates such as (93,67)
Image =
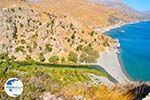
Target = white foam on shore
(110,62)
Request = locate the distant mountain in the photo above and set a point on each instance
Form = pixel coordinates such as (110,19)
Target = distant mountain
(147,14)
(124,8)
(111,3)
(91,13)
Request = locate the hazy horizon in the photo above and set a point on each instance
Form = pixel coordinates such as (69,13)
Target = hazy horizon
(141,5)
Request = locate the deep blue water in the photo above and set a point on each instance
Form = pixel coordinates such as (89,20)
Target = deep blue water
(135,49)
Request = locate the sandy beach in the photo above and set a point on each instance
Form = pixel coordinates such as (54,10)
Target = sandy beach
(110,62)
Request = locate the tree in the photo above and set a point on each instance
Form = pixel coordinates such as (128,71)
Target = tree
(41,57)
(91,33)
(53,59)
(20,48)
(83,57)
(73,57)
(49,48)
(30,60)
(89,54)
(63,59)
(73,36)
(6,63)
(79,47)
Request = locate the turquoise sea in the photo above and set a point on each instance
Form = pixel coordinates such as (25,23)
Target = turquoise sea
(135,49)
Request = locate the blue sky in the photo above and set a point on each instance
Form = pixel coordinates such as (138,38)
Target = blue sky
(139,4)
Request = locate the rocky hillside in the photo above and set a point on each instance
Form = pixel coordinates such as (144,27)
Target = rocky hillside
(56,30)
(88,13)
(29,33)
(123,8)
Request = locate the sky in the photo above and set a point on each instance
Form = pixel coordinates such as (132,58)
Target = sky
(141,5)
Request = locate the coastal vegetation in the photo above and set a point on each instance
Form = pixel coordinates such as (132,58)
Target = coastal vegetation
(59,81)
(66,82)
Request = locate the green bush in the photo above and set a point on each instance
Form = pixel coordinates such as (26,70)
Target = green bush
(20,48)
(49,48)
(29,49)
(89,55)
(79,47)
(88,49)
(30,60)
(41,57)
(6,63)
(73,36)
(83,57)
(91,33)
(73,57)
(105,44)
(53,59)
(21,25)
(35,44)
(23,41)
(63,59)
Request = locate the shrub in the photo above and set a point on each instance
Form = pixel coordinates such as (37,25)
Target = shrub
(72,26)
(53,21)
(13,10)
(29,59)
(105,44)
(20,48)
(6,63)
(41,57)
(35,44)
(29,49)
(91,33)
(63,59)
(79,47)
(23,41)
(87,49)
(89,55)
(73,36)
(49,48)
(3,45)
(73,57)
(53,59)
(21,25)
(83,57)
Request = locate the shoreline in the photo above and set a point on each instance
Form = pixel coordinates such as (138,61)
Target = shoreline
(110,59)
(110,62)
(126,74)
(108,28)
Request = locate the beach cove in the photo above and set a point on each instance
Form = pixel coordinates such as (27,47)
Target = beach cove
(134,50)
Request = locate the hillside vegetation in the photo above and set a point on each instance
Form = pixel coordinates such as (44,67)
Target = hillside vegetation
(56,82)
(27,33)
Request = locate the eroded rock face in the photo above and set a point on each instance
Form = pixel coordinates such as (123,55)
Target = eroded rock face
(140,92)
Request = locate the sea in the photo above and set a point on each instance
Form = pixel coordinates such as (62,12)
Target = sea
(134,49)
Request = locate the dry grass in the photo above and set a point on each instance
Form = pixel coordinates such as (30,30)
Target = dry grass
(96,93)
